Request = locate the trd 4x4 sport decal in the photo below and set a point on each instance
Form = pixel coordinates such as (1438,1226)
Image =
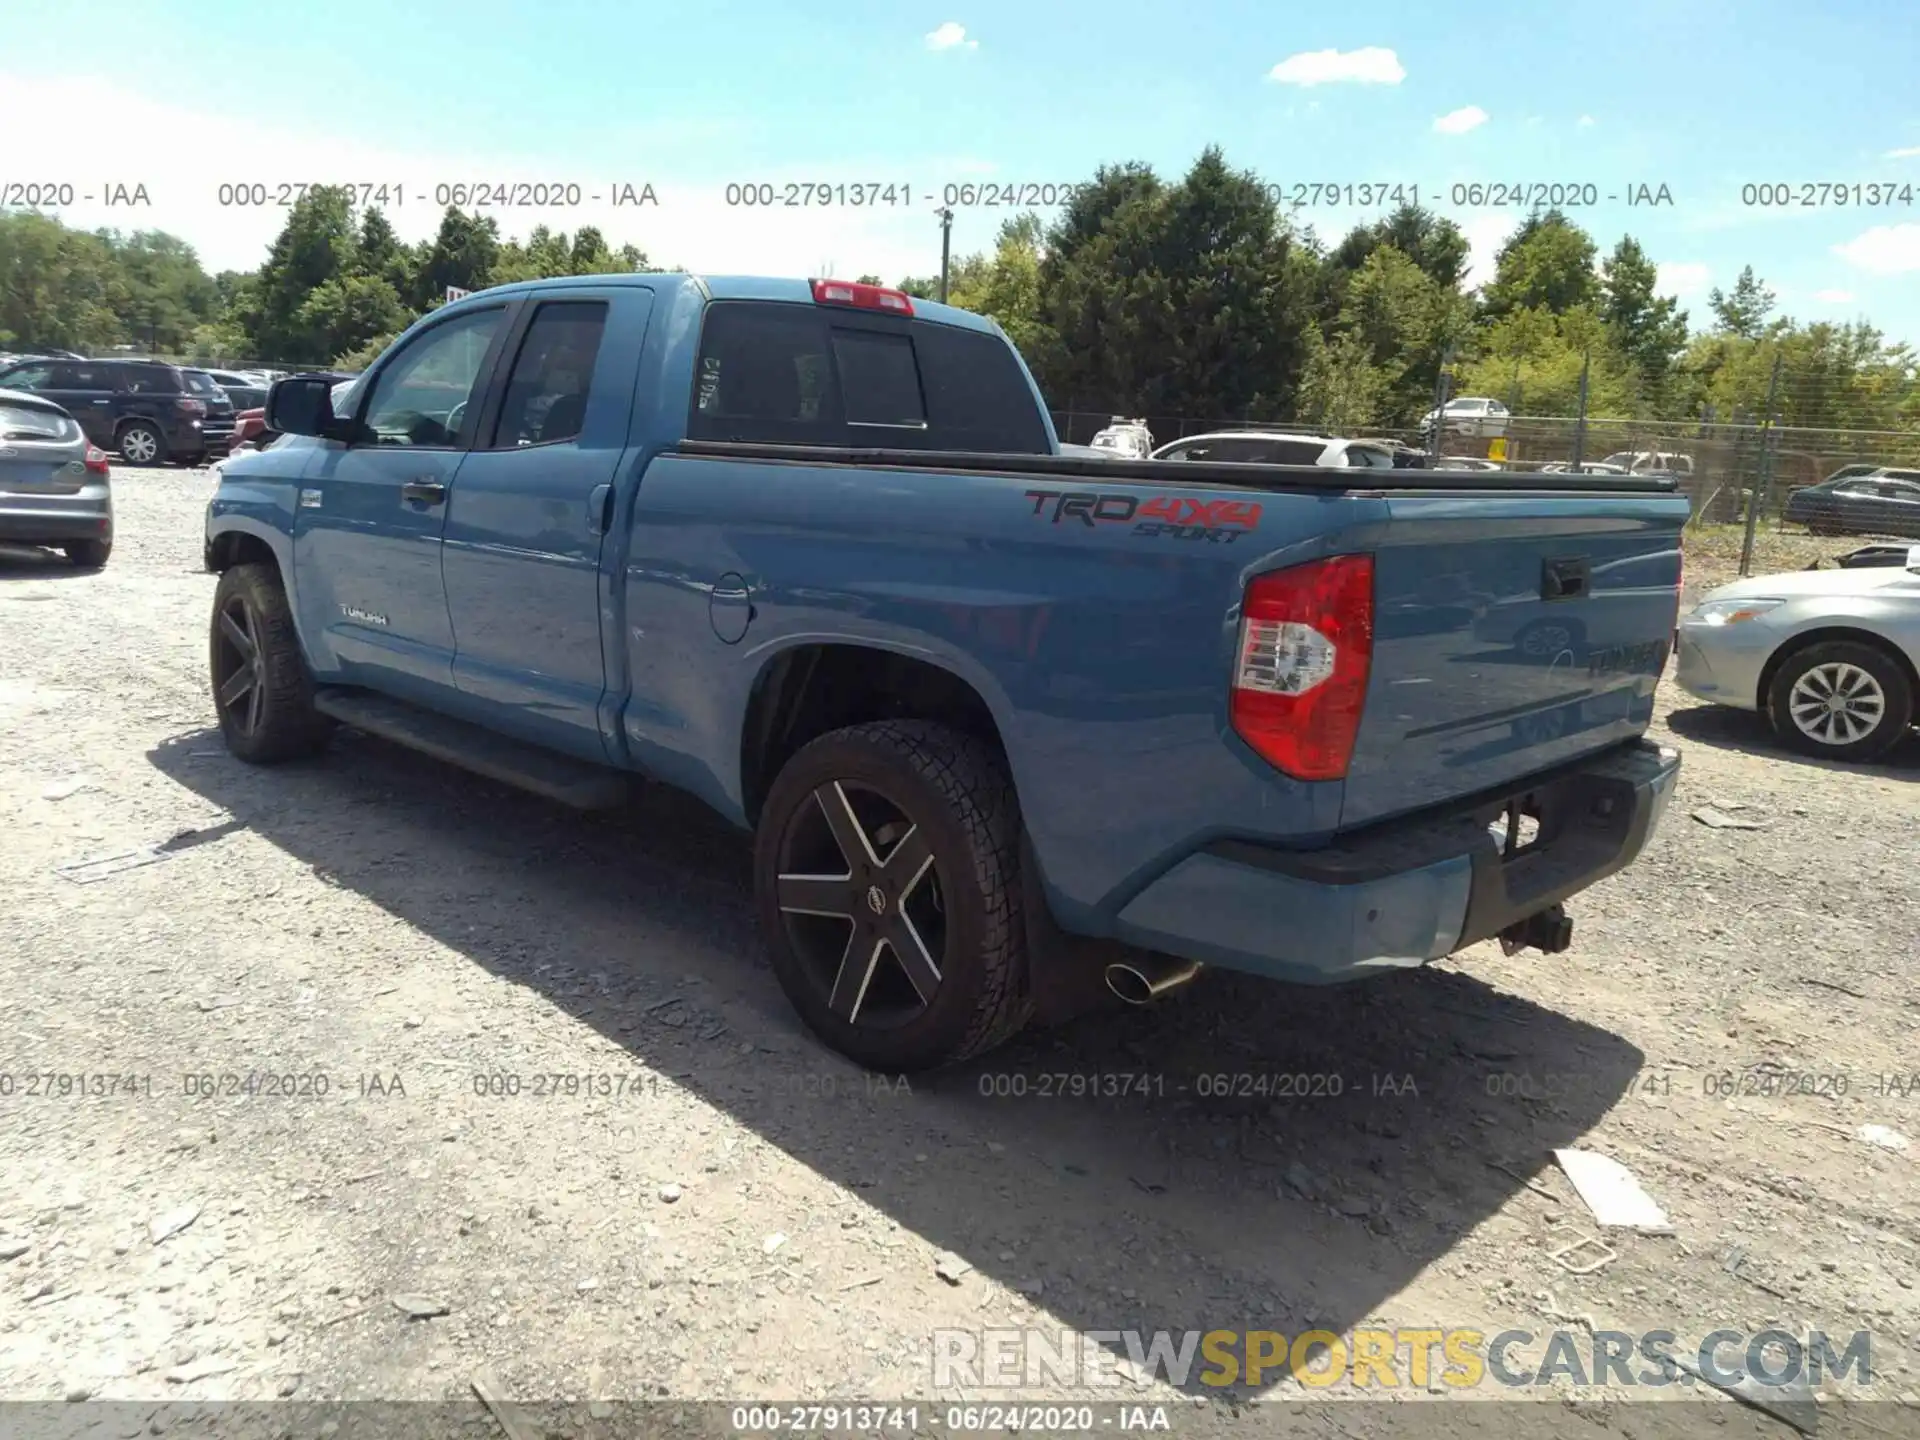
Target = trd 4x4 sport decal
(1180,517)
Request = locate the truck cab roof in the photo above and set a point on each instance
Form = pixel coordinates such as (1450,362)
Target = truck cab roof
(720,287)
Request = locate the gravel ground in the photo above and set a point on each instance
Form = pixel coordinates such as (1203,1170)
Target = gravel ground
(751,1218)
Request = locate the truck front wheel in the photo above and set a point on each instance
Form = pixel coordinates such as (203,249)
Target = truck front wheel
(261,688)
(886,874)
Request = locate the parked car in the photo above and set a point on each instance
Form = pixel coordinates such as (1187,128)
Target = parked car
(1828,656)
(1650,462)
(55,485)
(1474,416)
(144,410)
(247,392)
(218,425)
(1885,501)
(1464,462)
(1278,447)
(1129,439)
(920,655)
(1587,467)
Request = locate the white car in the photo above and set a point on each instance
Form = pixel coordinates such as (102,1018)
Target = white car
(1650,462)
(1126,439)
(1274,447)
(1474,416)
(1828,656)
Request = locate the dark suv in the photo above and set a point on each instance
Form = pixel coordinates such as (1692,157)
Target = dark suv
(148,412)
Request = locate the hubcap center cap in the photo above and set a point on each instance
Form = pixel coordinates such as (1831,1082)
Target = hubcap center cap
(876,900)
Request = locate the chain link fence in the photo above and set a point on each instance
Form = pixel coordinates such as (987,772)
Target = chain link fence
(1737,472)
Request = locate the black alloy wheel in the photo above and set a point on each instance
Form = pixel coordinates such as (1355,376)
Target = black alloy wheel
(887,878)
(859,895)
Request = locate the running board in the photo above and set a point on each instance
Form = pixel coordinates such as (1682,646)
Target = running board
(578,783)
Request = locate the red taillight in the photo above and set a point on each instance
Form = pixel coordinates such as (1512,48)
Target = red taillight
(96,460)
(864,297)
(187,405)
(1300,672)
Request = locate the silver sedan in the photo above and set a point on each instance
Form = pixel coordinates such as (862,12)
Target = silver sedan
(1830,657)
(54,485)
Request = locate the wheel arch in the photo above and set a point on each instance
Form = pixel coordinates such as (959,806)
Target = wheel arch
(1827,634)
(809,688)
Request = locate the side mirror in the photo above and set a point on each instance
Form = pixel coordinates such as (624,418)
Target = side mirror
(302,405)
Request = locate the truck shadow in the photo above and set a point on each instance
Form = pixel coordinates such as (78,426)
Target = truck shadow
(1247,1156)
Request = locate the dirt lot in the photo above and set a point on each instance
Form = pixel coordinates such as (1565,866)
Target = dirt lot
(752,1218)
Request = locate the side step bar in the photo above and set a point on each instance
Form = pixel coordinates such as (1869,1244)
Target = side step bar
(578,783)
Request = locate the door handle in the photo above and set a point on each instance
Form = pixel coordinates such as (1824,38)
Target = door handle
(427,492)
(598,509)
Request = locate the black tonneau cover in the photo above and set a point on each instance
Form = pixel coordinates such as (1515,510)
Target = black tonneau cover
(1207,473)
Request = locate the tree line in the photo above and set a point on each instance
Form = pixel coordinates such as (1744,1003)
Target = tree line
(1197,297)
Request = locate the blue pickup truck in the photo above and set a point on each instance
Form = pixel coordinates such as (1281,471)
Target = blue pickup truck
(811,551)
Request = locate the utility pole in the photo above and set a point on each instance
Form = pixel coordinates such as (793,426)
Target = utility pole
(1756,497)
(945,212)
(1442,392)
(1580,422)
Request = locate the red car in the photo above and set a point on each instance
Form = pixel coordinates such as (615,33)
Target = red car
(250,426)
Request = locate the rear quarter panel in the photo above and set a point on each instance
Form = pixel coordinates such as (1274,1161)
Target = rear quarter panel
(1104,654)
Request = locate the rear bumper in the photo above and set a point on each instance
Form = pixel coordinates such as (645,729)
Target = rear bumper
(1406,892)
(45,519)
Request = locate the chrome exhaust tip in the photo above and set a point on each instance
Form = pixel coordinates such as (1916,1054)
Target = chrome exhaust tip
(1141,982)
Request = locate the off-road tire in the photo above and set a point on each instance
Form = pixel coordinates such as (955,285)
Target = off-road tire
(289,727)
(957,789)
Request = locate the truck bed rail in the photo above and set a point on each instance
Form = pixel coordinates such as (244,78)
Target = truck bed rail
(1212,474)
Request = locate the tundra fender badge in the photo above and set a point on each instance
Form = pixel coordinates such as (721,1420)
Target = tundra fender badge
(365,617)
(309,499)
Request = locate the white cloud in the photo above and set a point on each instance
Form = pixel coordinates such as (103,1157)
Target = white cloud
(951,36)
(1682,278)
(1908,153)
(1485,233)
(1371,65)
(1834,297)
(1884,250)
(1459,122)
(691,224)
(1586,122)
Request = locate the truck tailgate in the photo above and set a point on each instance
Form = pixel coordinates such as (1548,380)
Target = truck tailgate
(1511,634)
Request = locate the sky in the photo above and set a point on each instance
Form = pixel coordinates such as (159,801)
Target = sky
(229,109)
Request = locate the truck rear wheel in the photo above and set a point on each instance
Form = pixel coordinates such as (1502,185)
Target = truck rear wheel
(886,874)
(261,688)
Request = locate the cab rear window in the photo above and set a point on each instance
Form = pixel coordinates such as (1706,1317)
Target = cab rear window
(793,374)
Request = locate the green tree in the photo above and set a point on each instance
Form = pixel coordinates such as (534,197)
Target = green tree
(1745,311)
(1546,264)
(1650,329)
(317,247)
(1404,321)
(461,256)
(1190,299)
(1433,242)
(1340,386)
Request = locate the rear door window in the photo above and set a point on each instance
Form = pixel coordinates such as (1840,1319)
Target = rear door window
(150,380)
(546,396)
